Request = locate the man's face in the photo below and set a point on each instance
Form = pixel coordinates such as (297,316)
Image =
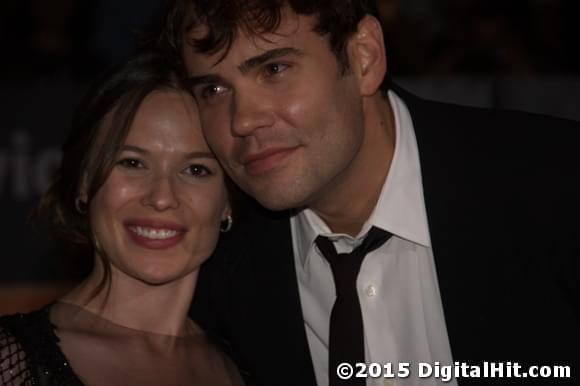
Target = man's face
(282,119)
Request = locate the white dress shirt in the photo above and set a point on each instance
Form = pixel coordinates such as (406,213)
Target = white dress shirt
(397,284)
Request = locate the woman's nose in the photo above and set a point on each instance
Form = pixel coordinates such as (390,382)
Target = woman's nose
(161,194)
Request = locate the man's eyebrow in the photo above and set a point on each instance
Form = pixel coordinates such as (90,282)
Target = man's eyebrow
(256,61)
(203,79)
(246,65)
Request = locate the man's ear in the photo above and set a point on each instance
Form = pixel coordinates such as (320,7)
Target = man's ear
(367,57)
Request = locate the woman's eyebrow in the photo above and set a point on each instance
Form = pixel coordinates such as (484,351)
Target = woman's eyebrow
(135,149)
(200,154)
(193,154)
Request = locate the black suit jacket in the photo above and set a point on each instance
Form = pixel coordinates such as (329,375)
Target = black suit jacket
(503,205)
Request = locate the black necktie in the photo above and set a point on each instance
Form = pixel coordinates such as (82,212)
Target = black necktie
(346,338)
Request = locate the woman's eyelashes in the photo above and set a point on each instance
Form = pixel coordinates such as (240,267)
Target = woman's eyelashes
(131,163)
(198,170)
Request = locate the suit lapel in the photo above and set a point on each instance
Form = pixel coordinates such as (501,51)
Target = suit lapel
(468,241)
(454,226)
(266,304)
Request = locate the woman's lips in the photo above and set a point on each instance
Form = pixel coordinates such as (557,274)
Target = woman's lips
(155,234)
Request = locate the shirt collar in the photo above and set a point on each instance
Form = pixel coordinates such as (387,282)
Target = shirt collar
(400,208)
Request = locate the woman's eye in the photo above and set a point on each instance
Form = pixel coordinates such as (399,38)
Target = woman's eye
(198,170)
(130,163)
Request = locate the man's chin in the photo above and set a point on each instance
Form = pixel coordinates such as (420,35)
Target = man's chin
(277,199)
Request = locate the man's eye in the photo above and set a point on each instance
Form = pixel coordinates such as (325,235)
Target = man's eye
(130,163)
(275,68)
(212,90)
(198,170)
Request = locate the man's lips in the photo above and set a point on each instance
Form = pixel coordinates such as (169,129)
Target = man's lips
(266,160)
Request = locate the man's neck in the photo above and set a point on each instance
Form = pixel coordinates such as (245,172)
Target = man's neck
(348,203)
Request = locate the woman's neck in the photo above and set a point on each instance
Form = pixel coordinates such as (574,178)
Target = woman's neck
(132,303)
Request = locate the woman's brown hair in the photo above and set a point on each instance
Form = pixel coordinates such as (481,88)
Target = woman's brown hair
(99,128)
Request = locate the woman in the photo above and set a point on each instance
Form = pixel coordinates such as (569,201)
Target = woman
(140,189)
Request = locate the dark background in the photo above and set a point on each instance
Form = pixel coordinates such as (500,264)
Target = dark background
(494,53)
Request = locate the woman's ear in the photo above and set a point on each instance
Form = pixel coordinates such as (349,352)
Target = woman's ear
(227,212)
(82,197)
(83,190)
(227,220)
(367,56)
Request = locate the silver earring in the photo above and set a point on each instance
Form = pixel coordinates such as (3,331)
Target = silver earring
(226,224)
(80,206)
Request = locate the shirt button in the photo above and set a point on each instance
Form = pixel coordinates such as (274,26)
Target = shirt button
(371,291)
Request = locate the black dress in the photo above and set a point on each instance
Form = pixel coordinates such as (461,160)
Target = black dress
(29,352)
(33,347)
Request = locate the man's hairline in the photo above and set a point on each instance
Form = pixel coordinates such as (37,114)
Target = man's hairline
(191,25)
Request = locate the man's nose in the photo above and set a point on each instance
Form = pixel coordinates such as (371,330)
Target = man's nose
(251,111)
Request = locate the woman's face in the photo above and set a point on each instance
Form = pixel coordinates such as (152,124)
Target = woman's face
(157,215)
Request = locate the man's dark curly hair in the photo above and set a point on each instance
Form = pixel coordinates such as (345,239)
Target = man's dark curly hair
(337,19)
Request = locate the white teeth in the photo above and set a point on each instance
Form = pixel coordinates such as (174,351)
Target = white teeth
(155,234)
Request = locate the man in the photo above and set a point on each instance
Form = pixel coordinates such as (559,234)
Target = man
(482,206)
